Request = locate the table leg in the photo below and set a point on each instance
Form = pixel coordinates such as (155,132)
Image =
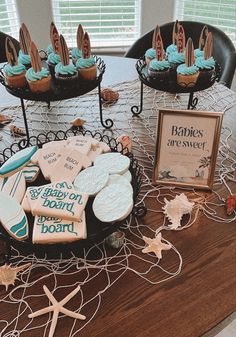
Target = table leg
(25,119)
(108,123)
(135,109)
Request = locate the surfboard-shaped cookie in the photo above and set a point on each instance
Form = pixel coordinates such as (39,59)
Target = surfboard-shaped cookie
(203,37)
(159,47)
(175,32)
(63,51)
(15,186)
(154,36)
(11,53)
(86,47)
(31,172)
(189,55)
(25,39)
(35,58)
(181,39)
(17,161)
(55,38)
(12,217)
(208,47)
(80,36)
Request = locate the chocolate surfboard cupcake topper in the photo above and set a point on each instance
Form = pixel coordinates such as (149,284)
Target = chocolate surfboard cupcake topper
(80,36)
(208,47)
(55,38)
(63,51)
(175,32)
(203,37)
(25,39)
(189,53)
(159,47)
(181,39)
(11,53)
(156,31)
(35,58)
(86,48)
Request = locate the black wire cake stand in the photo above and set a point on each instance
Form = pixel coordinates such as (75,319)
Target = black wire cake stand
(60,92)
(169,84)
(96,230)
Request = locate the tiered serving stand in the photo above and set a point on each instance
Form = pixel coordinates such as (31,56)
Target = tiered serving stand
(169,84)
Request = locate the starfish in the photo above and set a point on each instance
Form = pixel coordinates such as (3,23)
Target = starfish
(57,307)
(155,245)
(8,274)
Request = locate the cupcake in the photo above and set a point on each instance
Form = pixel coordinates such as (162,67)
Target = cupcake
(38,78)
(178,57)
(187,73)
(76,53)
(14,71)
(172,48)
(206,63)
(86,65)
(25,39)
(202,41)
(53,57)
(150,54)
(65,71)
(159,67)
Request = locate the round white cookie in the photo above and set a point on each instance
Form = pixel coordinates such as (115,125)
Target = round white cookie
(113,203)
(127,175)
(113,163)
(91,180)
(118,179)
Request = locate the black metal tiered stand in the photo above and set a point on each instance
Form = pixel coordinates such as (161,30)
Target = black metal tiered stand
(60,92)
(169,84)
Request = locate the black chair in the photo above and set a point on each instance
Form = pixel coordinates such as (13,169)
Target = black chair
(223,48)
(3,37)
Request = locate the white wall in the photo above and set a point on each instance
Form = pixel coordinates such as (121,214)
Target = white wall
(37,15)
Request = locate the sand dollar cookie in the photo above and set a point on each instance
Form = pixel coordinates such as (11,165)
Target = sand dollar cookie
(113,203)
(127,175)
(118,179)
(113,163)
(91,180)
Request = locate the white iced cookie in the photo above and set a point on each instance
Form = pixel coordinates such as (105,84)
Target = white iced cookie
(94,152)
(127,175)
(91,180)
(53,230)
(120,180)
(15,186)
(83,144)
(113,163)
(48,158)
(113,203)
(13,217)
(55,143)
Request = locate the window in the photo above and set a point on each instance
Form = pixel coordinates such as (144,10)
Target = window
(110,23)
(8,18)
(219,13)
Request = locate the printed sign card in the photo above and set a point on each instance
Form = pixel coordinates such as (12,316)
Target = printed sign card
(187,146)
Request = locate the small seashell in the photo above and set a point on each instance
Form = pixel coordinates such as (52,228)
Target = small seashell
(230,204)
(109,95)
(176,208)
(8,274)
(16,131)
(126,141)
(5,119)
(78,122)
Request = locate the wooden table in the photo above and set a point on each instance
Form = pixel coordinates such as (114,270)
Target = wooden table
(189,305)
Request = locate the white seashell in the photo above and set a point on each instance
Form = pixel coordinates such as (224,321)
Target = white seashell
(176,208)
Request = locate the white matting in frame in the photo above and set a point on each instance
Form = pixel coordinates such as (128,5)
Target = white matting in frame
(186,147)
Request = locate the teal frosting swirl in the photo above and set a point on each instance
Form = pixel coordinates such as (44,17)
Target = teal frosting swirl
(14,70)
(68,69)
(159,65)
(184,70)
(198,52)
(54,58)
(201,63)
(76,53)
(151,53)
(172,48)
(85,63)
(50,49)
(176,57)
(31,75)
(24,58)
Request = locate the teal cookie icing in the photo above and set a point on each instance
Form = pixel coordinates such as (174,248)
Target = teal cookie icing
(54,58)
(151,53)
(49,49)
(24,58)
(176,58)
(198,52)
(184,70)
(172,48)
(20,229)
(31,75)
(159,65)
(18,160)
(14,70)
(201,63)
(76,53)
(85,63)
(68,69)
